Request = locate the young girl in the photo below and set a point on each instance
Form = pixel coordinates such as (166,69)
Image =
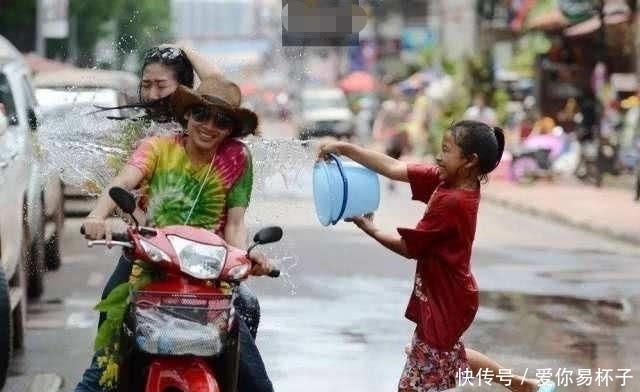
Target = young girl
(445,298)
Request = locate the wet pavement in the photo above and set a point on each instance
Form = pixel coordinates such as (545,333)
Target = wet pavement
(553,298)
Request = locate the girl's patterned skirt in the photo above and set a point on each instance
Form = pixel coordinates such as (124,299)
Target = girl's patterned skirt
(430,370)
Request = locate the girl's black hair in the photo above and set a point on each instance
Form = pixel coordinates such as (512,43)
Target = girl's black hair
(474,137)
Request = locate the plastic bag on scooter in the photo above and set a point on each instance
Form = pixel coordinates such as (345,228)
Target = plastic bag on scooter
(169,331)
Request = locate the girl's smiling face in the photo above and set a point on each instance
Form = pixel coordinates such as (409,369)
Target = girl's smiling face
(453,166)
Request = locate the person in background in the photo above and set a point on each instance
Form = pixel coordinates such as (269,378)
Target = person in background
(479,111)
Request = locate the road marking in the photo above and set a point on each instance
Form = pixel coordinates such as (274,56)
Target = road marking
(45,323)
(81,320)
(79,258)
(70,313)
(82,303)
(46,383)
(95,279)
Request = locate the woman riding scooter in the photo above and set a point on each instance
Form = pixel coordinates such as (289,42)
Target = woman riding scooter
(205,163)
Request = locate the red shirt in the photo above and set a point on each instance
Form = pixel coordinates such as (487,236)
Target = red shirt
(445,297)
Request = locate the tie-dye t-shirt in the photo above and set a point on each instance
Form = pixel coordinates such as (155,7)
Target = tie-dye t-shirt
(172,182)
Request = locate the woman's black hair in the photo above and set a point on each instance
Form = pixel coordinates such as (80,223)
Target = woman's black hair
(474,137)
(173,58)
(159,110)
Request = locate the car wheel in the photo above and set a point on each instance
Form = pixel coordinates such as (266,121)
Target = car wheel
(52,256)
(34,263)
(6,344)
(20,313)
(35,279)
(52,253)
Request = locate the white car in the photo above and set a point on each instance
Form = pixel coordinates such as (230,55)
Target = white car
(59,91)
(325,112)
(31,216)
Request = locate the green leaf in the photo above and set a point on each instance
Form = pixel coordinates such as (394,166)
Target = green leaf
(116,298)
(107,334)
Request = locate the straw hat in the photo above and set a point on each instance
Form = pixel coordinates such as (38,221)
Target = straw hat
(220,93)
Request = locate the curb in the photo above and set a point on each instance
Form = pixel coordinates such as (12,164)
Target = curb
(562,219)
(46,383)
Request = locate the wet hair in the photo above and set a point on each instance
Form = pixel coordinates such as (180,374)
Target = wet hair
(158,110)
(474,137)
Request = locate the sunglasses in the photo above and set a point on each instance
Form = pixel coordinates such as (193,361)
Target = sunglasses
(203,114)
(166,54)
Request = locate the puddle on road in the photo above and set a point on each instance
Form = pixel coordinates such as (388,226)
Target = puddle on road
(354,336)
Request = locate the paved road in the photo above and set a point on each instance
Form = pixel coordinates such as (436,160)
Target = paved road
(553,297)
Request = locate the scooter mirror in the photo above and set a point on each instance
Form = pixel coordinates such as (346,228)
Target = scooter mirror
(268,235)
(123,199)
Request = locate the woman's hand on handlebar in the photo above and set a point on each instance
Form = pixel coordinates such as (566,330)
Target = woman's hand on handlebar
(261,265)
(95,228)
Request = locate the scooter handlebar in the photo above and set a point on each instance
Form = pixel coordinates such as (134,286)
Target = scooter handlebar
(122,237)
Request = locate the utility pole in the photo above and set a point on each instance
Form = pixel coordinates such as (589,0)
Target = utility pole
(379,13)
(40,40)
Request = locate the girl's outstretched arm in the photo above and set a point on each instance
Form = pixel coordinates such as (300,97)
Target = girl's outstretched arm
(376,161)
(394,243)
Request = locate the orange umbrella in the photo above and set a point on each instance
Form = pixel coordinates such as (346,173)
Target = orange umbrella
(248,88)
(358,82)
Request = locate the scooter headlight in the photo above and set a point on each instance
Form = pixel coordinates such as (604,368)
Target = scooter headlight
(199,260)
(155,254)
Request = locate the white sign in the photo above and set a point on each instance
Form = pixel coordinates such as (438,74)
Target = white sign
(54,18)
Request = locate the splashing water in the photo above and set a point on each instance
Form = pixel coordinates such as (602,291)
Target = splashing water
(282,167)
(82,147)
(85,147)
(282,189)
(285,265)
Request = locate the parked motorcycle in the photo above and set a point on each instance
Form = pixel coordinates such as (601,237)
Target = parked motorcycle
(180,333)
(630,141)
(536,157)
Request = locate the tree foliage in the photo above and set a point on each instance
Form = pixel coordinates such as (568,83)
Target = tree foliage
(130,24)
(17,14)
(89,18)
(141,24)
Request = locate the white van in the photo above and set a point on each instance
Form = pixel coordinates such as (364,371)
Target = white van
(325,112)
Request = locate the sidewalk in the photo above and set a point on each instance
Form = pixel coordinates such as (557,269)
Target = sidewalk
(607,211)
